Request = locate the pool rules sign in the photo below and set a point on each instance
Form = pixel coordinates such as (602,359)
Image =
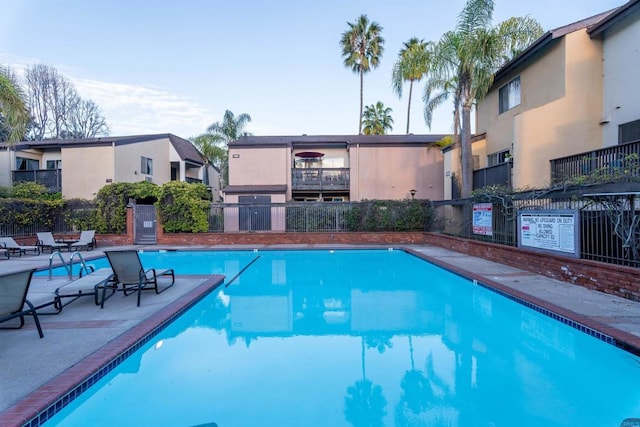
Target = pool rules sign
(483,219)
(554,231)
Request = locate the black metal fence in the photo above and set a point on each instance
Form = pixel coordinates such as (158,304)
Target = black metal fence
(50,178)
(609,224)
(499,174)
(620,162)
(323,217)
(26,218)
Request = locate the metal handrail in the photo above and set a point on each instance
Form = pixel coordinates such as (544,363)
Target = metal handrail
(83,265)
(67,267)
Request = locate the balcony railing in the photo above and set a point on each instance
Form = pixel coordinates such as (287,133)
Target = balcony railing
(192,180)
(50,178)
(320,179)
(493,175)
(619,163)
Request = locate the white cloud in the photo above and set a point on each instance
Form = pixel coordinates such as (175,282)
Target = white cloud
(132,110)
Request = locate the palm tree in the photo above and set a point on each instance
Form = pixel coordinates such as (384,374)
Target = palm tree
(13,107)
(362,47)
(14,114)
(365,404)
(411,66)
(464,61)
(377,119)
(214,143)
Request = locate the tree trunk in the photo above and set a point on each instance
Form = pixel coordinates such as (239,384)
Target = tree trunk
(361,102)
(409,105)
(466,153)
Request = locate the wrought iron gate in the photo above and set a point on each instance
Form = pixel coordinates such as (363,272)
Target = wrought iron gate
(144,228)
(255,213)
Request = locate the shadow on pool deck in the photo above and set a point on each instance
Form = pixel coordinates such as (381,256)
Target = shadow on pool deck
(83,337)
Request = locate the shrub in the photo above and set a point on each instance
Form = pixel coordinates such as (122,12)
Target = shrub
(183,207)
(112,200)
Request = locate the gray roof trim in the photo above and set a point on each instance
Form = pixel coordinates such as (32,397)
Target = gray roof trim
(614,18)
(332,141)
(239,145)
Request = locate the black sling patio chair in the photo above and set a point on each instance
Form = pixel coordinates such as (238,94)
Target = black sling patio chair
(13,298)
(131,275)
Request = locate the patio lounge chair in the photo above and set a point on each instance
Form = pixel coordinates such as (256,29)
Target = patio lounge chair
(129,272)
(13,298)
(58,296)
(13,247)
(46,241)
(87,241)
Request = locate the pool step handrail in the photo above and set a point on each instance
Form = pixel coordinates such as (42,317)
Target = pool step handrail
(83,265)
(64,263)
(69,267)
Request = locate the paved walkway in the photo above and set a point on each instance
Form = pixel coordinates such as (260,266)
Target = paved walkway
(34,370)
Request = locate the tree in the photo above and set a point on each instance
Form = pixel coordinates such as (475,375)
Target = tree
(57,110)
(377,119)
(464,61)
(213,144)
(362,48)
(86,121)
(14,114)
(365,404)
(411,66)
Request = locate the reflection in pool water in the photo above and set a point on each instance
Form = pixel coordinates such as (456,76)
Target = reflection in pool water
(361,338)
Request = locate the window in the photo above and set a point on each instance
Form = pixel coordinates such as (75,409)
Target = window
(629,132)
(24,164)
(146,166)
(497,158)
(509,95)
(54,164)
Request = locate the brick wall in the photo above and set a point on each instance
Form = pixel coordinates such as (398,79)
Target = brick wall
(612,279)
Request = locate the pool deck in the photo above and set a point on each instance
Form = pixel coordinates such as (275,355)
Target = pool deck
(81,339)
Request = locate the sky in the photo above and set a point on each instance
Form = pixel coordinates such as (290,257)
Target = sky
(169,66)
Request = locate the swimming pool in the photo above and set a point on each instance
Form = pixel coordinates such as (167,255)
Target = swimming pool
(358,337)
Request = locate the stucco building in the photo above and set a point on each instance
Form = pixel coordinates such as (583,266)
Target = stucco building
(80,167)
(554,108)
(278,169)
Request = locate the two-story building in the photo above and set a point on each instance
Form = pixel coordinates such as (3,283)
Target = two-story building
(278,169)
(554,109)
(80,167)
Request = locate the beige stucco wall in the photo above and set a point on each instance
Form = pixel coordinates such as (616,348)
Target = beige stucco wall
(6,165)
(542,82)
(391,172)
(621,102)
(85,170)
(128,156)
(260,166)
(561,99)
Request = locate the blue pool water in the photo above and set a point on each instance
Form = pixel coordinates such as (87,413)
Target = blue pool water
(358,338)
